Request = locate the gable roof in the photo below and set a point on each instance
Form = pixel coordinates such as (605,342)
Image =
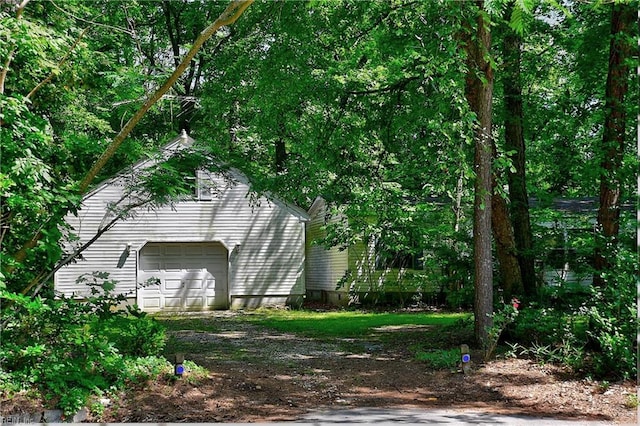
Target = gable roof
(178,144)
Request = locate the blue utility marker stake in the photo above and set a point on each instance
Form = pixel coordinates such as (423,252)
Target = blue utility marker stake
(465,358)
(178,368)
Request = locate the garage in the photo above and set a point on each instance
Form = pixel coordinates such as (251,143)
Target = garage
(230,250)
(191,276)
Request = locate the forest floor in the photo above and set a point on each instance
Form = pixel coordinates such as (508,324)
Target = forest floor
(261,375)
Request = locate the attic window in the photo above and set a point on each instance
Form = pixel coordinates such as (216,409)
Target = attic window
(203,186)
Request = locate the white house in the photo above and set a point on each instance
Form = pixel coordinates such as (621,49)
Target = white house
(213,251)
(326,267)
(353,274)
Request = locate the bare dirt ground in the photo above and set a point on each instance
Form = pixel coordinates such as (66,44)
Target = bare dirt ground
(258,375)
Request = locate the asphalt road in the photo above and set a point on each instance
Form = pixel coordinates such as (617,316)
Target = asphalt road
(434,417)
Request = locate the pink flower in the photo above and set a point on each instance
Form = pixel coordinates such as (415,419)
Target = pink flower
(515,303)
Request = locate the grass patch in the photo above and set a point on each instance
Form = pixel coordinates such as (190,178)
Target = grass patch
(440,359)
(632,401)
(347,324)
(178,323)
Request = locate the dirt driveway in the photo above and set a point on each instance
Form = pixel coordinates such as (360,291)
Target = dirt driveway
(259,375)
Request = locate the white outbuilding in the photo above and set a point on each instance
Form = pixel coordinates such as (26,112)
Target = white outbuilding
(216,250)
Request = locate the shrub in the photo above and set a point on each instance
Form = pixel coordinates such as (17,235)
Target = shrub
(539,326)
(613,320)
(503,316)
(461,298)
(594,334)
(70,350)
(133,336)
(147,368)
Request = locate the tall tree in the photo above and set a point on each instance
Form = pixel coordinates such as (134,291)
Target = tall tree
(613,140)
(479,92)
(515,146)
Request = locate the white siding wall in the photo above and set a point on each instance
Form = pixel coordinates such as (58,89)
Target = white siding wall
(269,261)
(325,268)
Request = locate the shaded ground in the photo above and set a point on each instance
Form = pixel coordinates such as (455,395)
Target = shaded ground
(258,375)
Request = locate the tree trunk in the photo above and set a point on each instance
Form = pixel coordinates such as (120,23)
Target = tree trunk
(514,142)
(622,18)
(479,94)
(281,156)
(506,252)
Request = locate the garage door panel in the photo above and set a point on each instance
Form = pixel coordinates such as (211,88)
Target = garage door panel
(172,249)
(172,284)
(149,264)
(195,250)
(172,302)
(152,250)
(152,303)
(193,284)
(194,302)
(210,283)
(193,275)
(173,266)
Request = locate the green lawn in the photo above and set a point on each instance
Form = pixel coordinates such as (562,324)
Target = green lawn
(346,324)
(357,330)
(332,324)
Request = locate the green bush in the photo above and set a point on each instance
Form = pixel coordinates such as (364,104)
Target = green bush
(70,350)
(613,320)
(540,326)
(503,316)
(461,298)
(133,336)
(567,297)
(147,368)
(595,334)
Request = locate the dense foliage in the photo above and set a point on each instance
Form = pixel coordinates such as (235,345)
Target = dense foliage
(367,104)
(590,329)
(71,350)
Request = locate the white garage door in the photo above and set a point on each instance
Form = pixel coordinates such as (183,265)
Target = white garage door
(193,276)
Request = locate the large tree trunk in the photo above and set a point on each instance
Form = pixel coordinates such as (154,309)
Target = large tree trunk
(506,252)
(514,143)
(480,97)
(622,18)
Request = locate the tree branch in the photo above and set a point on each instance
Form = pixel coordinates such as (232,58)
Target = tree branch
(87,21)
(381,19)
(228,17)
(395,86)
(7,63)
(60,64)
